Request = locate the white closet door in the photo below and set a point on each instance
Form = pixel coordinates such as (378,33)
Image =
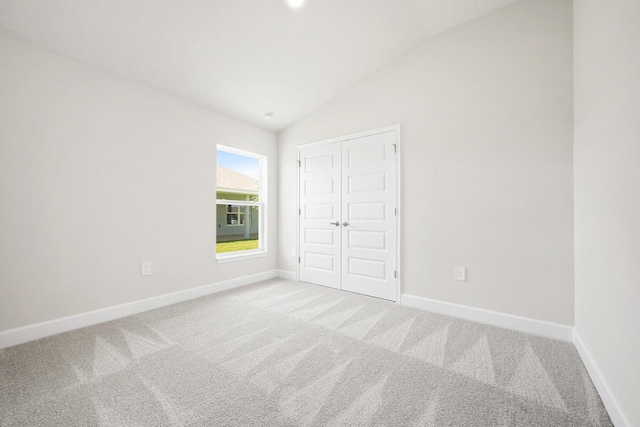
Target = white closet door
(369,215)
(320,186)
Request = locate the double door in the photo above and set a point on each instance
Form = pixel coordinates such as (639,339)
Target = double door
(348,215)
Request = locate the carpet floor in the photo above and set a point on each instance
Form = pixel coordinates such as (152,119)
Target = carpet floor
(281,353)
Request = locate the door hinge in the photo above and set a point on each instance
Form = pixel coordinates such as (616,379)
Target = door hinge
(298,260)
(395,148)
(395,274)
(299,163)
(395,211)
(299,211)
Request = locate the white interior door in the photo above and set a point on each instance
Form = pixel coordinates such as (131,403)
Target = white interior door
(320,187)
(368,256)
(348,215)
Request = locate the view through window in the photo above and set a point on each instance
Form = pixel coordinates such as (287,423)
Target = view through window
(240,202)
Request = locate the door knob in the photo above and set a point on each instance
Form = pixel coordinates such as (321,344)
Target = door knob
(345,223)
(335,223)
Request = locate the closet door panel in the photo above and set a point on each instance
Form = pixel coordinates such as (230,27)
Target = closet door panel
(320,187)
(368,202)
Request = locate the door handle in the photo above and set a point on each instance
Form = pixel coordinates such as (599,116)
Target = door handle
(345,223)
(335,223)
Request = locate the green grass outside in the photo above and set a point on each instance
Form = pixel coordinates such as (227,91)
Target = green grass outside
(236,245)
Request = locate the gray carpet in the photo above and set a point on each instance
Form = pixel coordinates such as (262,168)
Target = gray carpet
(287,354)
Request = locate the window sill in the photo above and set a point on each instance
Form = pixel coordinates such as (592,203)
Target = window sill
(240,256)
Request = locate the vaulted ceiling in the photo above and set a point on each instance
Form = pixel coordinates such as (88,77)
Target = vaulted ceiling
(240,57)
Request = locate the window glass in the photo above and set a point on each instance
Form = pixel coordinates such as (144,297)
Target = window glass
(240,202)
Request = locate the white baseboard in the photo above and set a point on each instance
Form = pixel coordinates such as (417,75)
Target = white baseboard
(36,331)
(503,320)
(618,417)
(289,275)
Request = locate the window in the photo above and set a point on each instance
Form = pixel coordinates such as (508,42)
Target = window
(235,215)
(241,182)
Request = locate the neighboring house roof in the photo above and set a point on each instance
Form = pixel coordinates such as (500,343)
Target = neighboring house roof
(228,179)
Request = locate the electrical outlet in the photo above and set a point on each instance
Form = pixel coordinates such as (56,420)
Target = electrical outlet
(145,268)
(460,273)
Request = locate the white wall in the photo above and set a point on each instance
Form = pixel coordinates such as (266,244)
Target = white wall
(486,110)
(607,192)
(98,174)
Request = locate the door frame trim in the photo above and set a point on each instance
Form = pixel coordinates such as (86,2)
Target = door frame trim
(397,128)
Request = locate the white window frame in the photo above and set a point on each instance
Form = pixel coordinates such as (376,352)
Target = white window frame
(261,251)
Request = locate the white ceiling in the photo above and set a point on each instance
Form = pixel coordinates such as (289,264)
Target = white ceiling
(240,57)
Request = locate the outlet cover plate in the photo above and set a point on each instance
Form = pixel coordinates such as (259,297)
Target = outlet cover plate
(145,268)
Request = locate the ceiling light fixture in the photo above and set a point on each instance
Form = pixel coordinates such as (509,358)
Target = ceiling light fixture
(267,116)
(295,3)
